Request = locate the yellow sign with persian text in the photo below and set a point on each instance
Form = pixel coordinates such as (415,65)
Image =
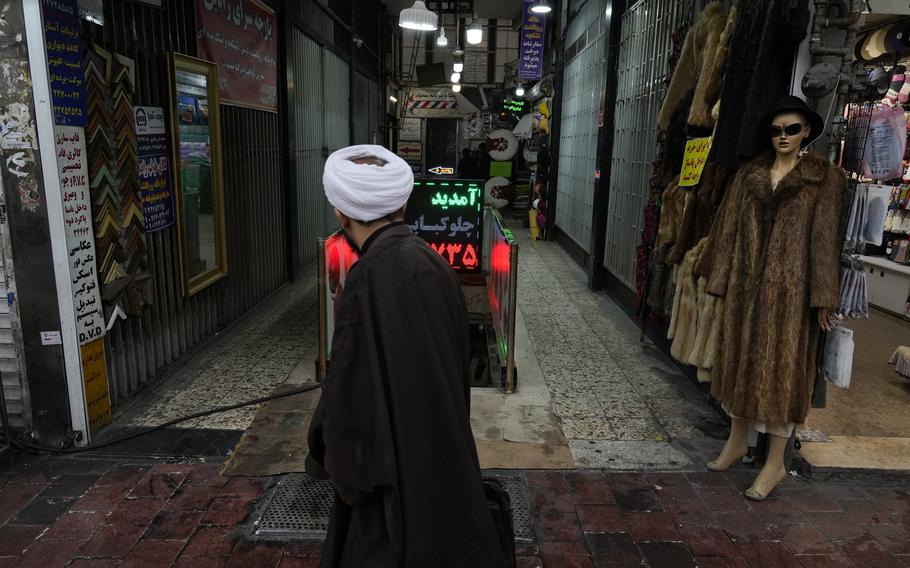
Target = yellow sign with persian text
(697,150)
(97,391)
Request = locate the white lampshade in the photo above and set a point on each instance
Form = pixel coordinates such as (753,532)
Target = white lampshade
(519,91)
(542,8)
(456,77)
(456,88)
(458,67)
(442,40)
(474,34)
(417,17)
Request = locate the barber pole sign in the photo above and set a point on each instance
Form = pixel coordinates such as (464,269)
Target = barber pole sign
(432,103)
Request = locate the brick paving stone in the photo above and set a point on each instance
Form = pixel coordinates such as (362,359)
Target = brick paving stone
(659,527)
(869,512)
(16,539)
(9,561)
(124,476)
(15,496)
(529,562)
(174,525)
(207,474)
(252,487)
(601,518)
(257,555)
(842,491)
(724,499)
(805,539)
(305,548)
(703,479)
(895,538)
(779,513)
(667,555)
(101,498)
(112,541)
(558,527)
(836,526)
(295,562)
(191,498)
(49,554)
(547,480)
(866,551)
(70,486)
(552,500)
(43,510)
(212,541)
(895,499)
(713,562)
(633,499)
(809,500)
(94,563)
(613,550)
(153,553)
(825,561)
(691,512)
(741,479)
(201,562)
(768,555)
(565,555)
(136,511)
(593,492)
(745,527)
(707,541)
(228,511)
(78,526)
(159,482)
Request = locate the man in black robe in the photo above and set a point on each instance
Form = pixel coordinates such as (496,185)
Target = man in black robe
(392,429)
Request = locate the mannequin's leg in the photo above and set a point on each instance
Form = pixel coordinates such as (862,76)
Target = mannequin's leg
(774,471)
(735,448)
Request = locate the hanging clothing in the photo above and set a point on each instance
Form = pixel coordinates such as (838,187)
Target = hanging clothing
(695,67)
(766,33)
(392,428)
(774,257)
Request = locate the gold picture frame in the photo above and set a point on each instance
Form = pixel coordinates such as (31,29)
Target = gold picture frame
(198,175)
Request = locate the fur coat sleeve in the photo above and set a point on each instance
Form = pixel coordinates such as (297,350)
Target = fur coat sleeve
(714,263)
(697,57)
(827,232)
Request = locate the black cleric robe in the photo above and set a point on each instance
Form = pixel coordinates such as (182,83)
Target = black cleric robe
(392,428)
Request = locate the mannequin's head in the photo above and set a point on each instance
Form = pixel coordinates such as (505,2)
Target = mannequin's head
(788,132)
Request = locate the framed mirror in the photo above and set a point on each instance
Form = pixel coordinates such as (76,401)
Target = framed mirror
(196,146)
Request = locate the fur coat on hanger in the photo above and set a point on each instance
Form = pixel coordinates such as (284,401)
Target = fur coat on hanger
(774,256)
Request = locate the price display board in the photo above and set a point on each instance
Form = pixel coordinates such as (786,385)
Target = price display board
(448,215)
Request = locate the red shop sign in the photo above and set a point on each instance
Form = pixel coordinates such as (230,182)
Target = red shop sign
(241,36)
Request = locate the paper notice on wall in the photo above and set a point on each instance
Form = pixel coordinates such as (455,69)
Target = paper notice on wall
(154,168)
(72,168)
(97,390)
(694,160)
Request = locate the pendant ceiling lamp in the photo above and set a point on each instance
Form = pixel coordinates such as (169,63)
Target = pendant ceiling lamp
(456,88)
(417,17)
(456,77)
(442,40)
(542,7)
(474,33)
(519,91)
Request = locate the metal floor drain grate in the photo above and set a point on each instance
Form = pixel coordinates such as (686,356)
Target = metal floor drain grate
(300,507)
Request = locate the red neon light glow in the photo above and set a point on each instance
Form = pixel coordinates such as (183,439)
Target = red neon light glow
(458,255)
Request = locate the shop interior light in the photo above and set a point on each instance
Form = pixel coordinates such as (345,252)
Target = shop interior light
(519,91)
(456,88)
(442,40)
(542,8)
(474,33)
(417,17)
(456,77)
(457,62)
(393,99)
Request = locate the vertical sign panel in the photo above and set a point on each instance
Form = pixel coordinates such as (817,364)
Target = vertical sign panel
(154,170)
(530,53)
(449,217)
(64,61)
(72,168)
(97,393)
(241,37)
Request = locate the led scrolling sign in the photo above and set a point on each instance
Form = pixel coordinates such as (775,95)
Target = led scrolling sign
(449,217)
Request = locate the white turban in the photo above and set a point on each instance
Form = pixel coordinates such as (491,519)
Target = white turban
(366,192)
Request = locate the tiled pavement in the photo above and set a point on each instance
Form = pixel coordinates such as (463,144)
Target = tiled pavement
(100,514)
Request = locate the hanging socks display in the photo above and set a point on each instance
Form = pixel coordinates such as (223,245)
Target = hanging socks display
(897,83)
(904,94)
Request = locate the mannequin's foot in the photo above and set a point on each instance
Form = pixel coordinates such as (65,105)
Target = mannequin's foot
(767,481)
(731,454)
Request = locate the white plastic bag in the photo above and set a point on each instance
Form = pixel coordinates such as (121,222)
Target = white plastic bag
(886,144)
(837,365)
(877,201)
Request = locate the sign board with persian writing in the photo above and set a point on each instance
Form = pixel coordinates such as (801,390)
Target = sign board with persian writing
(410,129)
(97,389)
(432,103)
(154,170)
(241,36)
(62,32)
(530,53)
(72,168)
(448,215)
(694,160)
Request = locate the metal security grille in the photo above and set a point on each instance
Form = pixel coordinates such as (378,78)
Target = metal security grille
(300,506)
(12,372)
(647,41)
(582,92)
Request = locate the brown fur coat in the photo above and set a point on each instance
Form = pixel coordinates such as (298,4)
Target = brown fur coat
(698,68)
(774,256)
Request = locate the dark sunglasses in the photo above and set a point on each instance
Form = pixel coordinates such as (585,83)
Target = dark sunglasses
(790,130)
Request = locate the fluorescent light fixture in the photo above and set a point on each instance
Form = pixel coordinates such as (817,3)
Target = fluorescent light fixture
(393,99)
(474,33)
(442,40)
(519,91)
(456,77)
(456,88)
(417,17)
(542,8)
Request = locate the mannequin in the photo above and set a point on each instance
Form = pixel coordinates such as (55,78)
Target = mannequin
(773,254)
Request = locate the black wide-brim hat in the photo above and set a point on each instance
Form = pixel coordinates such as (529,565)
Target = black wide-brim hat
(791,103)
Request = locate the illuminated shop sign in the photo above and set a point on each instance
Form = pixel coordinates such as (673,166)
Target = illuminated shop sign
(449,217)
